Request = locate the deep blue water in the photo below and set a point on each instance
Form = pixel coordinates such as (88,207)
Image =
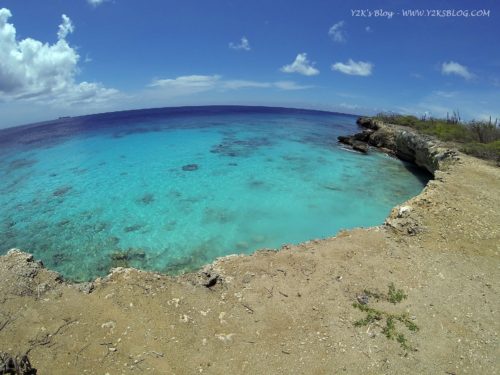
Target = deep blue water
(172,189)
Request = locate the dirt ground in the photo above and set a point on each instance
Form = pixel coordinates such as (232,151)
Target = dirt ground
(287,312)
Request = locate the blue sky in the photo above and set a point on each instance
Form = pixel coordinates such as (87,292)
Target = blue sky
(60,57)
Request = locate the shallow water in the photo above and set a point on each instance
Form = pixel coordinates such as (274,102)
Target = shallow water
(171,190)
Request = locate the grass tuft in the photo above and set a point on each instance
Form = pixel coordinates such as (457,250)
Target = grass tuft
(395,296)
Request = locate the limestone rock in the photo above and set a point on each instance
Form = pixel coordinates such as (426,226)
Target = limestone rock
(347,140)
(86,288)
(360,146)
(404,211)
(407,144)
(355,142)
(25,275)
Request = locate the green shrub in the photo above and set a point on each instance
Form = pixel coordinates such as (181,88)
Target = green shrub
(477,138)
(393,322)
(483,150)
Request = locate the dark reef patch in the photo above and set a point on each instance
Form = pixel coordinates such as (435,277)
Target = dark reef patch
(63,190)
(133,228)
(332,187)
(190,167)
(63,223)
(14,165)
(255,184)
(146,199)
(122,258)
(232,147)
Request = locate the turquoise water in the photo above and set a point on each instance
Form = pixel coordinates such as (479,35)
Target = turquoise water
(171,191)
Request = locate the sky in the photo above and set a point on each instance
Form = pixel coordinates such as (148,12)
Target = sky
(75,57)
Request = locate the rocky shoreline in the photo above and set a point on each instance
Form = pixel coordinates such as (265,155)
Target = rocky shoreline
(402,142)
(289,311)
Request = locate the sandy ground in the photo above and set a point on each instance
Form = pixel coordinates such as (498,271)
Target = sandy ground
(286,312)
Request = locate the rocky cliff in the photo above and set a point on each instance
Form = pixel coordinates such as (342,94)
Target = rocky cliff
(403,142)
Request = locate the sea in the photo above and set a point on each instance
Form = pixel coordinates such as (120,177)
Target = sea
(172,189)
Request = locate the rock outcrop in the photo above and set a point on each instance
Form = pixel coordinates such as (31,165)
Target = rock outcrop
(356,145)
(26,276)
(405,143)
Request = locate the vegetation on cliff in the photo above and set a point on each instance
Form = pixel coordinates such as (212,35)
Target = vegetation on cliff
(477,138)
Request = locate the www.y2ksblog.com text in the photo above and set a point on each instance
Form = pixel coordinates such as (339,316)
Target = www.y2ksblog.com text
(443,13)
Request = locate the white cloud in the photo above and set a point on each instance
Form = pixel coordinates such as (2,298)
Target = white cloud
(242,84)
(453,67)
(188,85)
(359,68)
(336,32)
(36,71)
(282,85)
(242,45)
(95,2)
(301,65)
(194,83)
(290,85)
(65,28)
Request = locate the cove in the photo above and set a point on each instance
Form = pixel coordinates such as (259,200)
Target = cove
(172,189)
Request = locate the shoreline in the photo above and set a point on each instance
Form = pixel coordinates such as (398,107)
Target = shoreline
(217,311)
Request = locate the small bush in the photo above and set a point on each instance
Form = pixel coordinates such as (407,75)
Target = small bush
(379,317)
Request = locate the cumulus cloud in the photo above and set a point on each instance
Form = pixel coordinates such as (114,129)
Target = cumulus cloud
(301,65)
(359,68)
(336,32)
(244,44)
(187,85)
(33,70)
(452,67)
